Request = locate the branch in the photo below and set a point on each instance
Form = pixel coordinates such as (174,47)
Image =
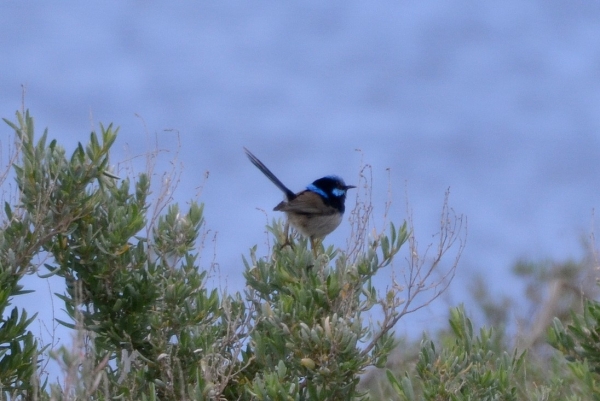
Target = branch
(419,278)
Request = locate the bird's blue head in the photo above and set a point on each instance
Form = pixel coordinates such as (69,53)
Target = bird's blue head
(332,189)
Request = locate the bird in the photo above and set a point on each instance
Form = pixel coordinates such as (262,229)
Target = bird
(317,210)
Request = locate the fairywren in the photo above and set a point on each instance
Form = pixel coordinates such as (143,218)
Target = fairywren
(314,212)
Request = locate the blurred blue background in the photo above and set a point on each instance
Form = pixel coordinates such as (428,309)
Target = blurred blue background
(499,101)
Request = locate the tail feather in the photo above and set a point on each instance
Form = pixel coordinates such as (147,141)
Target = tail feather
(288,194)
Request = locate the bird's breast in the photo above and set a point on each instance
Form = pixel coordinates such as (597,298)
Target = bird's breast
(316,226)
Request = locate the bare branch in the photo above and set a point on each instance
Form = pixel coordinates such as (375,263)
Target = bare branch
(419,278)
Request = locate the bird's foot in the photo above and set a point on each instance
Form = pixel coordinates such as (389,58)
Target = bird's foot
(285,243)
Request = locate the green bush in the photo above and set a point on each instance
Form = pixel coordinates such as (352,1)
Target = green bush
(579,341)
(469,368)
(145,323)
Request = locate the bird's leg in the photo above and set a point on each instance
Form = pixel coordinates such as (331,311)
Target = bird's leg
(314,243)
(286,231)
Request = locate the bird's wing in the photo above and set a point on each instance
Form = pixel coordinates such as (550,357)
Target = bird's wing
(306,202)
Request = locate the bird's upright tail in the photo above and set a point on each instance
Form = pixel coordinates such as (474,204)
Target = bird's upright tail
(288,194)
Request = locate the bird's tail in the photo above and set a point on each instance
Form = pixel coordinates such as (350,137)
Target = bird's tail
(288,194)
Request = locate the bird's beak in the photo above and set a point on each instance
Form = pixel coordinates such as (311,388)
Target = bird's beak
(349,187)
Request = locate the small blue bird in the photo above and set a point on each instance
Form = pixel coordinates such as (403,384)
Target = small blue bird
(314,212)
